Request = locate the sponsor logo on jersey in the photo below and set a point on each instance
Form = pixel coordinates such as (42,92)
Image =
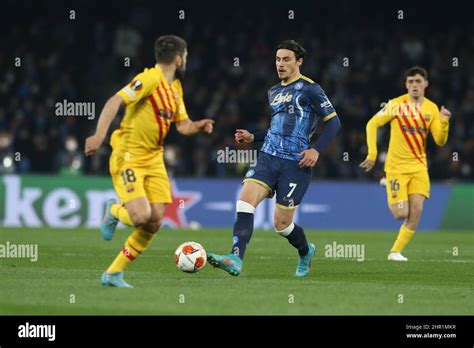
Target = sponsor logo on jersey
(414,130)
(326,104)
(280,98)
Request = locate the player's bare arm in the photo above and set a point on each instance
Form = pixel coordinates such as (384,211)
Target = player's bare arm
(188,127)
(107,115)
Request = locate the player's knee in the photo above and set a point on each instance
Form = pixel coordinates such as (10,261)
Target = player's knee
(284,229)
(416,210)
(252,193)
(400,214)
(281,224)
(140,218)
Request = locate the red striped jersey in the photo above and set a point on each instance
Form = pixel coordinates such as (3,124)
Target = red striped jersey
(410,124)
(152,104)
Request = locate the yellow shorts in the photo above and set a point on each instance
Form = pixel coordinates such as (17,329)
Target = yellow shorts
(401,185)
(131,182)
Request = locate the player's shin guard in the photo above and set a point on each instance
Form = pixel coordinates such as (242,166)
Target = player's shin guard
(403,238)
(120,212)
(136,244)
(243,228)
(296,237)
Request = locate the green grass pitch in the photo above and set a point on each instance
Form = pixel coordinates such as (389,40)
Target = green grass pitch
(433,281)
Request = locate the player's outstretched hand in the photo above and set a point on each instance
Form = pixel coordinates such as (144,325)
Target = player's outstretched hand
(92,144)
(206,125)
(243,135)
(310,157)
(367,165)
(445,113)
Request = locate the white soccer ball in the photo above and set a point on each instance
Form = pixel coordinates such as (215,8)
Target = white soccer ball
(190,257)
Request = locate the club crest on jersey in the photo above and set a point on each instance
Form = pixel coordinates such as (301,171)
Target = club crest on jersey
(280,98)
(298,85)
(136,85)
(427,117)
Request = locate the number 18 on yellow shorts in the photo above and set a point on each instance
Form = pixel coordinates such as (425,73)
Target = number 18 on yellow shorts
(401,185)
(131,182)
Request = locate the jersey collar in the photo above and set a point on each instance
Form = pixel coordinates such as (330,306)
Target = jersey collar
(286,84)
(409,100)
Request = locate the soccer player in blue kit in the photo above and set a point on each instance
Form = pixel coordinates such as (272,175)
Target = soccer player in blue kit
(286,159)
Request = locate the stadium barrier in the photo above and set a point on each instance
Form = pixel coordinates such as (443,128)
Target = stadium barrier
(69,202)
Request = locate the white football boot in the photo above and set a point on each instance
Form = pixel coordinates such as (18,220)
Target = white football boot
(396,257)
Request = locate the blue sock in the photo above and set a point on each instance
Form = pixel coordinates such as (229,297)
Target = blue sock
(243,229)
(298,240)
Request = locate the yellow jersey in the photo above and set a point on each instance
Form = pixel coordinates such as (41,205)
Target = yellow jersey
(151,105)
(410,124)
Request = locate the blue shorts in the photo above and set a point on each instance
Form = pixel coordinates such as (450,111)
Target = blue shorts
(283,176)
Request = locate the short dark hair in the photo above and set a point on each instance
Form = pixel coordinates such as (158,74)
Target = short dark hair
(294,46)
(416,70)
(167,47)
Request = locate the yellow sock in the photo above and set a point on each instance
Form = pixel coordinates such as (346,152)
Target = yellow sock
(120,212)
(136,244)
(403,238)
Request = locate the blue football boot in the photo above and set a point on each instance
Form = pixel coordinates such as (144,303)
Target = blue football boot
(304,262)
(230,263)
(114,280)
(109,222)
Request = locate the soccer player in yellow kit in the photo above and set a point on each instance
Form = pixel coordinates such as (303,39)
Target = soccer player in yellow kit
(153,100)
(412,116)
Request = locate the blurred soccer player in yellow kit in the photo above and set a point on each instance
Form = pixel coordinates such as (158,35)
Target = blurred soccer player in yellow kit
(153,100)
(412,116)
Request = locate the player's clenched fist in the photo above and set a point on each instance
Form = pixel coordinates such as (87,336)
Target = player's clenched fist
(444,112)
(310,157)
(205,125)
(92,144)
(243,135)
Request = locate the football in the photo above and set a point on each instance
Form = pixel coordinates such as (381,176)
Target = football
(190,257)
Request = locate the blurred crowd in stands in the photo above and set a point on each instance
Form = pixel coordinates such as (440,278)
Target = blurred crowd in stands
(359,63)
